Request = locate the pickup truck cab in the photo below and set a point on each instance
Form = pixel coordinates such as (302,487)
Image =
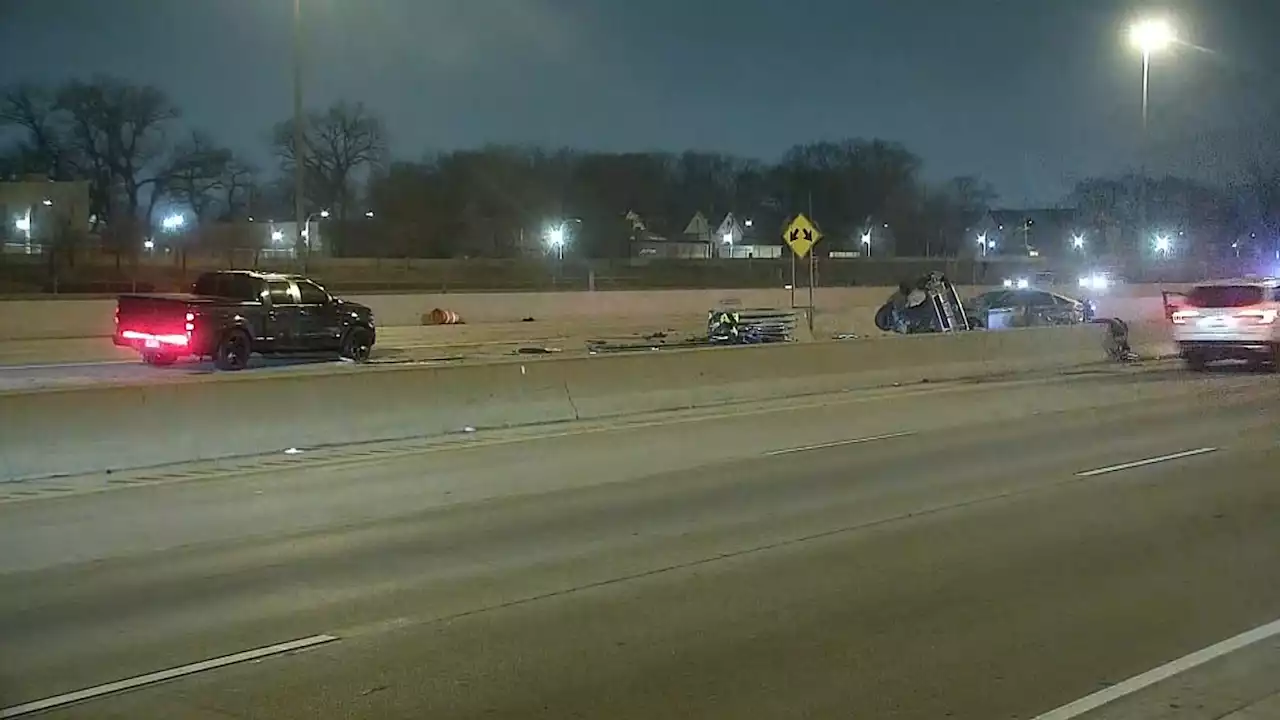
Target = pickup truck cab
(229,315)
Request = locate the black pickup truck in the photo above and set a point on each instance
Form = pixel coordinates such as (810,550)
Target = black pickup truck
(229,315)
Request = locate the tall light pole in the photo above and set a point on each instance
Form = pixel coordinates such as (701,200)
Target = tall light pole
(299,139)
(1149,37)
(306,235)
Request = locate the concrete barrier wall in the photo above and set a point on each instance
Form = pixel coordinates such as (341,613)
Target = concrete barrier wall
(842,309)
(101,427)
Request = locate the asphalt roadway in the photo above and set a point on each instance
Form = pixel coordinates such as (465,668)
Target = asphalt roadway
(68,362)
(978,550)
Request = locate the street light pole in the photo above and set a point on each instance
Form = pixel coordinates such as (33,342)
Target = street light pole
(1148,36)
(299,139)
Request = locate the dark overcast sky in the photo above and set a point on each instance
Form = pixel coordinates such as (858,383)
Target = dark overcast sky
(1029,94)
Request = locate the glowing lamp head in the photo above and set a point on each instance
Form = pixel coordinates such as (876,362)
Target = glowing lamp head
(555,236)
(1152,35)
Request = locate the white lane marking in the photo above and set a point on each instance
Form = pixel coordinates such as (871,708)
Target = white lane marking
(1164,672)
(66,365)
(156,677)
(1148,461)
(838,443)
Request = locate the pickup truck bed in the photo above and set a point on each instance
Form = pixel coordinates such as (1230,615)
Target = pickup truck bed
(159,325)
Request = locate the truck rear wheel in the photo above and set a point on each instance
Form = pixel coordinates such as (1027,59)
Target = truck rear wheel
(233,351)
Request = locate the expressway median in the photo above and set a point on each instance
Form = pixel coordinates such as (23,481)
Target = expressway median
(211,417)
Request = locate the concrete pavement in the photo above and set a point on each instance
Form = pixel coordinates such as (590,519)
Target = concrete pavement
(840,309)
(802,559)
(35,364)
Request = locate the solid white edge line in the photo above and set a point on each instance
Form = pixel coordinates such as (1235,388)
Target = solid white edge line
(66,365)
(161,676)
(1164,672)
(1148,461)
(838,443)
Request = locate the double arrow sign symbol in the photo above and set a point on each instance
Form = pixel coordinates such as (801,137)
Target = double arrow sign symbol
(808,235)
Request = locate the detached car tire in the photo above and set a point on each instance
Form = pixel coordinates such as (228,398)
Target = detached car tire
(233,351)
(357,345)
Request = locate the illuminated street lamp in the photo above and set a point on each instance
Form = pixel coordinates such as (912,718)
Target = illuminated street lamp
(369,214)
(1164,244)
(1077,241)
(866,241)
(984,243)
(1149,37)
(306,235)
(555,238)
(173,223)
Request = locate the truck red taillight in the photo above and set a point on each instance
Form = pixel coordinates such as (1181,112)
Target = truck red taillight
(152,340)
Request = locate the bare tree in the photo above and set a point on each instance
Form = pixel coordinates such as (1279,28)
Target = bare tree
(34,110)
(198,173)
(120,128)
(340,141)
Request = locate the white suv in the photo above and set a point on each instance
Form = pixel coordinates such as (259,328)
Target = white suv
(1229,320)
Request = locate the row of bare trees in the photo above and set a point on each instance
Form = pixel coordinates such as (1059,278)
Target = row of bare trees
(129,143)
(495,201)
(131,146)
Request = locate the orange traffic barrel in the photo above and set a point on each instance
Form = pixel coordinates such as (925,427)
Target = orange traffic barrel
(442,317)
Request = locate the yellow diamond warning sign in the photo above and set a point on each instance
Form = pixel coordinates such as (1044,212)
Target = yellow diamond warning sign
(801,236)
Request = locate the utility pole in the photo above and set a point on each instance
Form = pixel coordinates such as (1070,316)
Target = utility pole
(299,140)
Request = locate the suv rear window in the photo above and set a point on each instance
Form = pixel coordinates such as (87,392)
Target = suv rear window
(1225,296)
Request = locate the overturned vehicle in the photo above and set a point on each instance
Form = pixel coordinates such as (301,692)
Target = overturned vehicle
(928,305)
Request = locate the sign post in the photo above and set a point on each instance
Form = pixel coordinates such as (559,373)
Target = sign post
(813,280)
(801,236)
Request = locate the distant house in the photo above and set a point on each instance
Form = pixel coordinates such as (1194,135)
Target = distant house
(1044,232)
(648,244)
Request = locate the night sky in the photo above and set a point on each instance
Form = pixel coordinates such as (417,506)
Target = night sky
(1029,94)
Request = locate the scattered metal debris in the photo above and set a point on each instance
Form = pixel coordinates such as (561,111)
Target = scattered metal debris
(750,327)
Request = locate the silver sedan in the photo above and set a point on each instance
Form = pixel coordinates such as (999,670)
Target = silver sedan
(1026,307)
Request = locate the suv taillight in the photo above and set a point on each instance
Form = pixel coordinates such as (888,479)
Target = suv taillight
(1258,317)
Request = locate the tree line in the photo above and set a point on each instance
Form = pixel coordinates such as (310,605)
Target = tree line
(130,144)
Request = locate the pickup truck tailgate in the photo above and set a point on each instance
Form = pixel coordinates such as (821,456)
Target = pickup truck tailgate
(153,315)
